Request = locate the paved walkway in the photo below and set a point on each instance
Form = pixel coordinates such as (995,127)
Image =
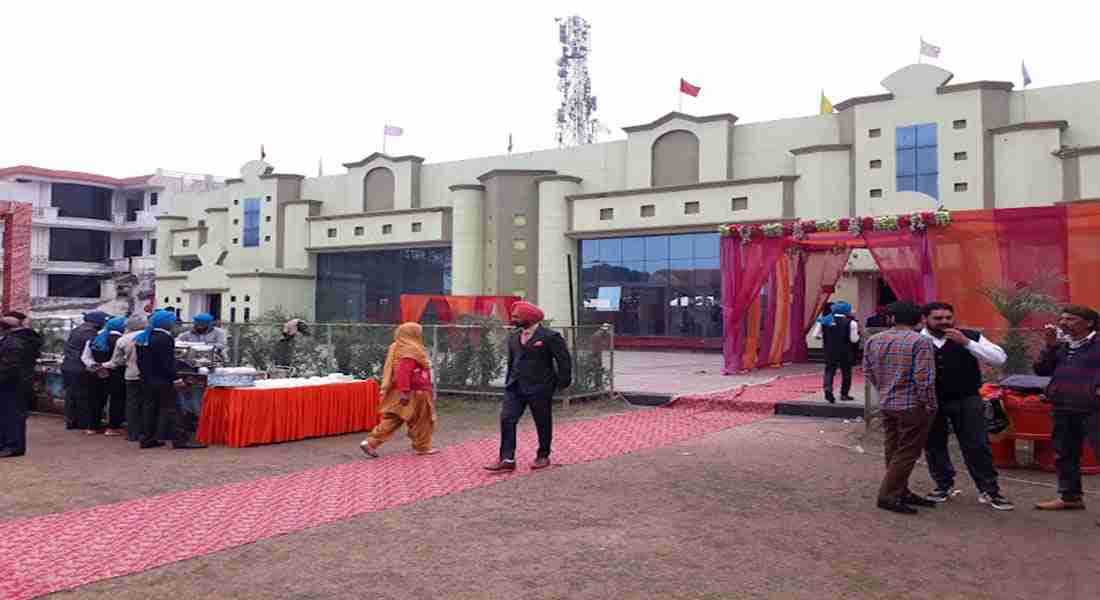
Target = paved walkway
(130,537)
(653,372)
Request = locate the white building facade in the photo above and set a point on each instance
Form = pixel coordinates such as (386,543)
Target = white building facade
(631,224)
(91,230)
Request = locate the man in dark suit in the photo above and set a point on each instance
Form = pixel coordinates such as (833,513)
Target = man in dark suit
(538,364)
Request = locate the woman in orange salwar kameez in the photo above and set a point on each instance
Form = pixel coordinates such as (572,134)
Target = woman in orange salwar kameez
(406,393)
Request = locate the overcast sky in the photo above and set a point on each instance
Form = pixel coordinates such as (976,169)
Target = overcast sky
(121,88)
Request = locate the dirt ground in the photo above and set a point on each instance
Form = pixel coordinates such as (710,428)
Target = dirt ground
(783,508)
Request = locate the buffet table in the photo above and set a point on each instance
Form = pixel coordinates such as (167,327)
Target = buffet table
(247,416)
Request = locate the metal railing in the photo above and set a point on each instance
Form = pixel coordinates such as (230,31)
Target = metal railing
(466,359)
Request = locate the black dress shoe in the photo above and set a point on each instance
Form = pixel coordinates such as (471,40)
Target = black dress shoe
(830,398)
(914,500)
(10,453)
(847,398)
(187,445)
(152,444)
(897,506)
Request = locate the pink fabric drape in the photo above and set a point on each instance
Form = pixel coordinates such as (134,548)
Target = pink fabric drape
(1033,244)
(745,269)
(822,272)
(905,263)
(773,339)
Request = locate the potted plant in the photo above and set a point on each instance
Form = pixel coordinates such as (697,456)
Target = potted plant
(1017,303)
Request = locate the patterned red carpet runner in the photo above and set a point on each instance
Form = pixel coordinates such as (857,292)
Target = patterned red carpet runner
(65,550)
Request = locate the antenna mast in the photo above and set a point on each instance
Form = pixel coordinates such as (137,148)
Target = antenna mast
(576,124)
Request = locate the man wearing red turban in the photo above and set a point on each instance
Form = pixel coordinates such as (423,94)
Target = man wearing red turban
(538,364)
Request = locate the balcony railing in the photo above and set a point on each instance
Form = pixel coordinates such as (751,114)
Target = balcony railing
(135,264)
(130,219)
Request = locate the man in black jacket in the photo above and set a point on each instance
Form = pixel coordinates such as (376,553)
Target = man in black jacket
(538,364)
(1074,370)
(79,382)
(959,353)
(156,358)
(19,349)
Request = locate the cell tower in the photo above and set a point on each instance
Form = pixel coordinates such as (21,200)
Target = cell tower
(576,124)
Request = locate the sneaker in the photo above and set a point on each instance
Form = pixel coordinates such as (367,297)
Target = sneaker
(940,495)
(997,501)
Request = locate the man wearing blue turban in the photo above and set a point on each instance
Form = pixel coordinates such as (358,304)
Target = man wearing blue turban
(110,386)
(839,333)
(156,358)
(78,380)
(204,332)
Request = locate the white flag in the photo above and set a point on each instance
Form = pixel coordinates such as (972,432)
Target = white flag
(927,49)
(394,130)
(1027,76)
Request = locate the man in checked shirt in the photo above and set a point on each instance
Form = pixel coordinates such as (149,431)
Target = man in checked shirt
(901,364)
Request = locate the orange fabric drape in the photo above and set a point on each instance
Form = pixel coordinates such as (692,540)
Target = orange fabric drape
(781,337)
(413,306)
(239,417)
(461,305)
(1083,239)
(752,333)
(965,257)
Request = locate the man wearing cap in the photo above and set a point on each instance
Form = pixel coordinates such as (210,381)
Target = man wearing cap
(1074,370)
(78,380)
(538,364)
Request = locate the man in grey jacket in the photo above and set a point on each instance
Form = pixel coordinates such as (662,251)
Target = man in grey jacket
(126,355)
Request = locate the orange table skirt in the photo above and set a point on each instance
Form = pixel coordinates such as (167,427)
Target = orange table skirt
(239,417)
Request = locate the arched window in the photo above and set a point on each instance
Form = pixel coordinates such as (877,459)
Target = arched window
(378,190)
(675,159)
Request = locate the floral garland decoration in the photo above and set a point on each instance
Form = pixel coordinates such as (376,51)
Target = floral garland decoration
(917,223)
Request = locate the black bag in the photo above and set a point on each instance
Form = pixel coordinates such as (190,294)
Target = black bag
(996,419)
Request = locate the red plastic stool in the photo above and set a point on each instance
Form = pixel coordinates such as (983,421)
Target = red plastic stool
(1045,455)
(1004,452)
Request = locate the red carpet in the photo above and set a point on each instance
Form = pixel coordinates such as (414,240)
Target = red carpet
(66,550)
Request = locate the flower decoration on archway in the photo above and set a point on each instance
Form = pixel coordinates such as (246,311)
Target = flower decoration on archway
(917,222)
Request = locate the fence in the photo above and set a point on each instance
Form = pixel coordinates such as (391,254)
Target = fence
(466,359)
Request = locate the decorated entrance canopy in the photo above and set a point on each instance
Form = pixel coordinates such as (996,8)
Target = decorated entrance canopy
(776,276)
(450,308)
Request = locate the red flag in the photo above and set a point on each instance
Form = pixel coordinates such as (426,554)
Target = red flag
(690,90)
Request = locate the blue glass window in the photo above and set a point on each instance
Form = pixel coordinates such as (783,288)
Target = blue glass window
(251,233)
(611,250)
(680,246)
(675,290)
(656,247)
(917,162)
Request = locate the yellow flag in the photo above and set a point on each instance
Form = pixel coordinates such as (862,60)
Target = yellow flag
(826,106)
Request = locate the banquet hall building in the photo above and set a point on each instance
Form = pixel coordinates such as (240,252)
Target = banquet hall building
(630,226)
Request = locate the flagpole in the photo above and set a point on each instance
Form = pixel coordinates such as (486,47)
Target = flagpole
(383,139)
(920,51)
